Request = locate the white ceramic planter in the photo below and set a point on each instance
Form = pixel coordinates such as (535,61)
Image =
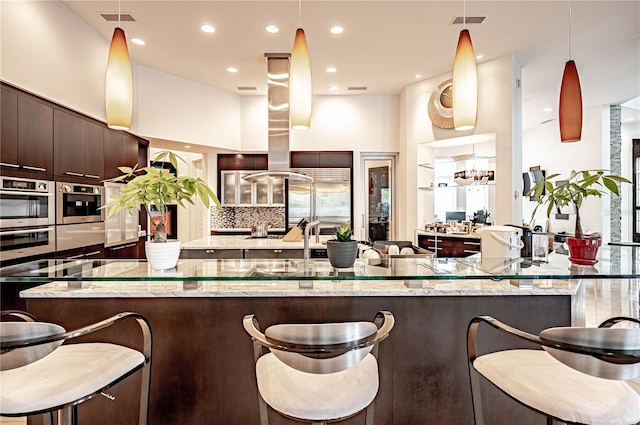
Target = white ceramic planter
(162,256)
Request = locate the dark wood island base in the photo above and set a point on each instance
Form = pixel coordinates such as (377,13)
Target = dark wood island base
(203,371)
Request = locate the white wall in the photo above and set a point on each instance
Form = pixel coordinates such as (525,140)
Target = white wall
(50,51)
(499,112)
(47,50)
(542,146)
(174,108)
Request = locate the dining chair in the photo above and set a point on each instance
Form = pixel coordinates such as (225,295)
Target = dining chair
(318,372)
(41,374)
(578,377)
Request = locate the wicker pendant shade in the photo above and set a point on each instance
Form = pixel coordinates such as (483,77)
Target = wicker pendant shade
(119,84)
(300,91)
(465,84)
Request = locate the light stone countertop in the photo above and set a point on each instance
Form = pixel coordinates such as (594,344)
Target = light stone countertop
(360,288)
(244,242)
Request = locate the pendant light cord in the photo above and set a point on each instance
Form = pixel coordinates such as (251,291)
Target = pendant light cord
(299,13)
(569,5)
(464,14)
(118,13)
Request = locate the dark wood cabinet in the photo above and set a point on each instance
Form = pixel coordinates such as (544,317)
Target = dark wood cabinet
(9,129)
(130,250)
(211,254)
(120,149)
(93,155)
(78,147)
(242,161)
(449,246)
(26,140)
(321,159)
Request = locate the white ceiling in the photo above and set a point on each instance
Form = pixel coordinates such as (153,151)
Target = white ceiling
(386,43)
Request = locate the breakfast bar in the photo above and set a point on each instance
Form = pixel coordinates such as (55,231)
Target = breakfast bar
(203,360)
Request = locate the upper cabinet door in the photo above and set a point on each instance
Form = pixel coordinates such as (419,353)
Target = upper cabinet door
(112,153)
(9,129)
(93,138)
(35,135)
(68,144)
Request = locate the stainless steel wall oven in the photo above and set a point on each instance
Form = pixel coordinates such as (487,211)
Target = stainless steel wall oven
(78,203)
(26,202)
(26,242)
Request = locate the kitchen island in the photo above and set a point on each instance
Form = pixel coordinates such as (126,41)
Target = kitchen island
(203,360)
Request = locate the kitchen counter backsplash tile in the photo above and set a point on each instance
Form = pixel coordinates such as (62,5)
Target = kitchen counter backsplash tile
(244,217)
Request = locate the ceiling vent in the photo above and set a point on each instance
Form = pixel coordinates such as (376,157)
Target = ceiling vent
(357,88)
(247,88)
(113,17)
(470,20)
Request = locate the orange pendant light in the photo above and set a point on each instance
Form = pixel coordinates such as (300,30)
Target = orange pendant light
(570,105)
(119,84)
(465,84)
(570,109)
(300,92)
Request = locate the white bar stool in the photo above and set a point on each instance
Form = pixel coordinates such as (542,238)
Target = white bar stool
(577,378)
(318,372)
(38,374)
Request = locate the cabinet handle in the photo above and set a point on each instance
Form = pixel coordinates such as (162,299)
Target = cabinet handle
(9,165)
(88,254)
(471,251)
(71,173)
(122,247)
(28,167)
(92,176)
(209,251)
(277,250)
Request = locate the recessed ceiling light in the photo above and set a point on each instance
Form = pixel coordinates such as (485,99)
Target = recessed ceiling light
(478,57)
(337,30)
(208,29)
(138,41)
(548,109)
(418,76)
(187,146)
(232,69)
(331,69)
(334,88)
(272,29)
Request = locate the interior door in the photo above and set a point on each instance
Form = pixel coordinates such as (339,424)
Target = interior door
(378,176)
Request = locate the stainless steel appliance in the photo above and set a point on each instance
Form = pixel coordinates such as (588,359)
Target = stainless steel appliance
(79,203)
(80,235)
(26,202)
(122,227)
(329,196)
(26,242)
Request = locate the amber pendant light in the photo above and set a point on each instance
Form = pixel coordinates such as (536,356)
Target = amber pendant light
(300,91)
(119,82)
(570,109)
(465,80)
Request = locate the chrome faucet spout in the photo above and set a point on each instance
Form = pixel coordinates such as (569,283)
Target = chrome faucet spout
(307,230)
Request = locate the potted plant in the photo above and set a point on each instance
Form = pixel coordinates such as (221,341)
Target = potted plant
(573,191)
(342,250)
(152,186)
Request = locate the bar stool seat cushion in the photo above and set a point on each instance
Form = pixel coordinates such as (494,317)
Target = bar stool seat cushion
(312,396)
(541,382)
(68,374)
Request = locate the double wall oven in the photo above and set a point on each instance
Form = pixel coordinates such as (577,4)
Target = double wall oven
(27,217)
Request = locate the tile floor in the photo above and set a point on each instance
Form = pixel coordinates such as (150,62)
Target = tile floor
(605,299)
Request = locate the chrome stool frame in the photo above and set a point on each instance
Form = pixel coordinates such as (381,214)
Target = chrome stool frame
(23,347)
(592,351)
(319,353)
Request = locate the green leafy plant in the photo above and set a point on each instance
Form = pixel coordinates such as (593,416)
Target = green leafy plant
(344,233)
(152,186)
(573,191)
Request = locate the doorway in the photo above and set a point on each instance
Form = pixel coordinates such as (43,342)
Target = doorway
(378,196)
(636,183)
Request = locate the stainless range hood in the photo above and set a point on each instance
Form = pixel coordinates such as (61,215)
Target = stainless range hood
(278,115)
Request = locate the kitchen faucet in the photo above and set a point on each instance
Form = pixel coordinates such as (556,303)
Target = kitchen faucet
(307,230)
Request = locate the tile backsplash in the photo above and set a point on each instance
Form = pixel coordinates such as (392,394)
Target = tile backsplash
(244,217)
